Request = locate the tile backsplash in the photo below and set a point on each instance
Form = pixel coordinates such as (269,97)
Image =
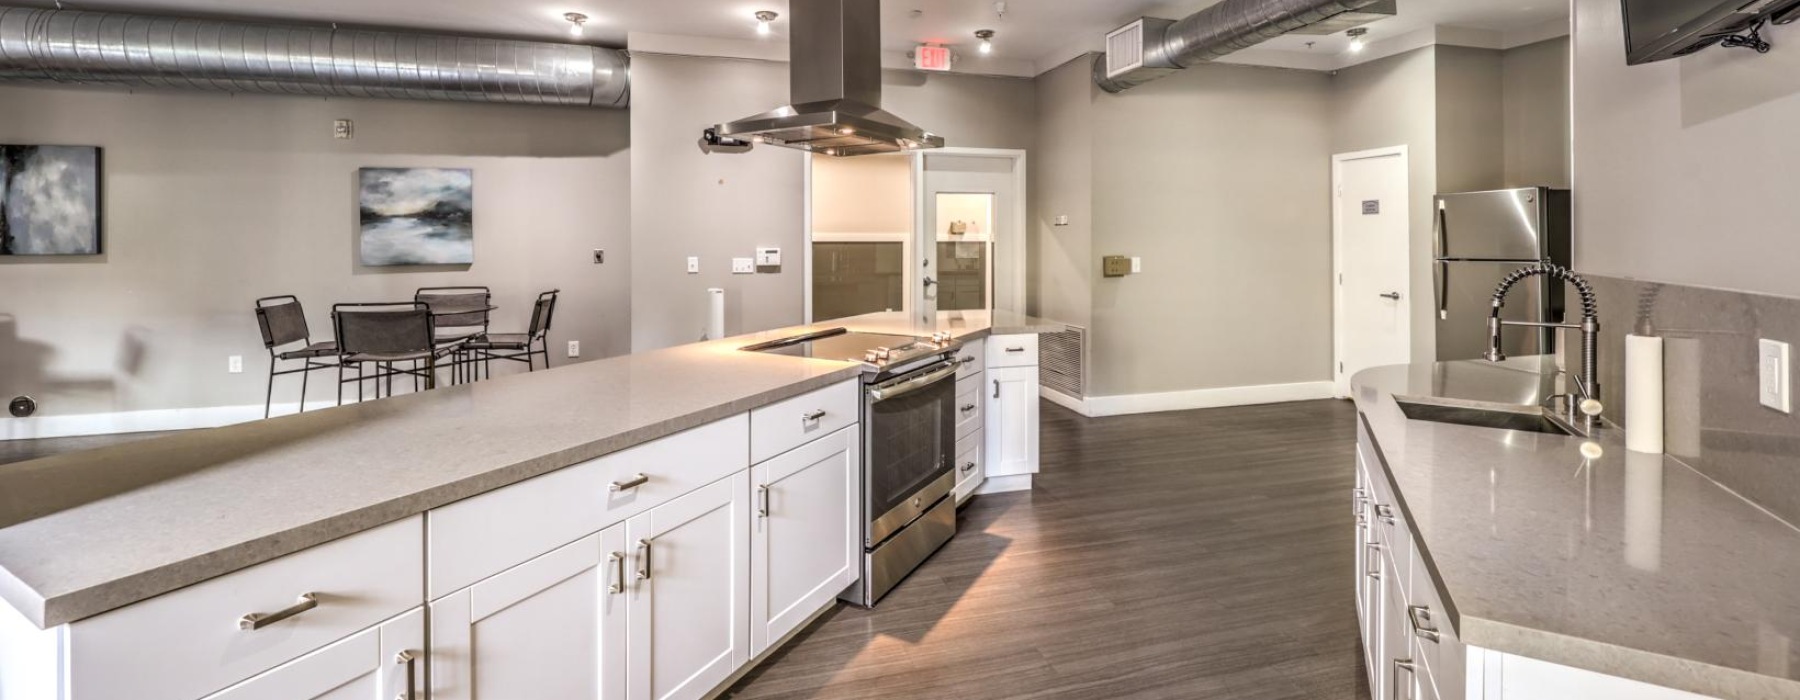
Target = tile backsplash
(1712,418)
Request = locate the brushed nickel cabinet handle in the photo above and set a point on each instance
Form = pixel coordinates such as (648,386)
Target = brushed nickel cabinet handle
(1384,513)
(256,621)
(643,570)
(1410,669)
(762,500)
(617,559)
(1373,552)
(1422,630)
(631,483)
(813,417)
(409,660)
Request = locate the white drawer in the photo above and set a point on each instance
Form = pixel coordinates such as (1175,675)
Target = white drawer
(783,426)
(188,643)
(972,358)
(968,407)
(478,537)
(1012,351)
(969,469)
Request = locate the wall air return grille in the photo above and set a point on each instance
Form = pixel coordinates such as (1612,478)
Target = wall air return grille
(1125,49)
(1062,365)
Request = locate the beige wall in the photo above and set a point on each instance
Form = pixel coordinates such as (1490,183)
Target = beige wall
(1393,102)
(212,201)
(1536,88)
(1471,133)
(685,203)
(1062,263)
(872,194)
(1684,168)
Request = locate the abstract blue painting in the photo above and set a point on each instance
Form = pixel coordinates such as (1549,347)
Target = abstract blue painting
(417,216)
(49,200)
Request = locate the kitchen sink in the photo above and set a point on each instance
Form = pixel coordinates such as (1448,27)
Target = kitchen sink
(1521,418)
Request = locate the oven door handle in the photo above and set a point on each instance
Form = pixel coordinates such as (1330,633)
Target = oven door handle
(902,387)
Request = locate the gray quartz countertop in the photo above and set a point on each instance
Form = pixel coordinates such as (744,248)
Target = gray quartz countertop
(87,532)
(1631,564)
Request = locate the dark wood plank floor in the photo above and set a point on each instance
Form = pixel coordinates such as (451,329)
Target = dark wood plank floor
(1200,554)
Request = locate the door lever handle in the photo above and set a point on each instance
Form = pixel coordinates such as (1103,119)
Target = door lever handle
(1391,295)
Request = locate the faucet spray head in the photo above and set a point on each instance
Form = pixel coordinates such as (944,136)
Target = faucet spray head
(1494,353)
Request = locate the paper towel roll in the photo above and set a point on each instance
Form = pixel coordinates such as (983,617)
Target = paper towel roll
(1643,394)
(715,315)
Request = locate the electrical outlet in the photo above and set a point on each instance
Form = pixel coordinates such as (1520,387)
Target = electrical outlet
(743,266)
(574,348)
(235,364)
(599,257)
(1773,387)
(343,129)
(693,266)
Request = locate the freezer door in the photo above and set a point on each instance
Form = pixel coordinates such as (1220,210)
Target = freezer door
(1498,225)
(1466,292)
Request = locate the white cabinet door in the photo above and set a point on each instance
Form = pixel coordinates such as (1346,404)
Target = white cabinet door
(1012,421)
(374,663)
(553,627)
(689,601)
(804,534)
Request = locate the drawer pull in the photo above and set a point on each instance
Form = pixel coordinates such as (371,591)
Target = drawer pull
(996,388)
(968,467)
(967,359)
(631,483)
(1411,670)
(256,621)
(1384,513)
(762,500)
(968,408)
(408,659)
(1015,349)
(1423,630)
(643,570)
(813,417)
(1373,550)
(618,573)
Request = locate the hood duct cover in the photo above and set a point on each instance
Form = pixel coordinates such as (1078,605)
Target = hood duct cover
(137,51)
(835,84)
(1225,28)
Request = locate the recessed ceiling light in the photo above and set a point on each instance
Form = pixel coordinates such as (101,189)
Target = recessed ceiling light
(1356,39)
(764,22)
(987,40)
(576,20)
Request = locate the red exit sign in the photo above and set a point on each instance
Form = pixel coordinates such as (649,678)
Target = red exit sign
(931,58)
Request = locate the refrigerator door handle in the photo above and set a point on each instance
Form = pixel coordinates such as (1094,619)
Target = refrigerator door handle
(1442,287)
(1440,231)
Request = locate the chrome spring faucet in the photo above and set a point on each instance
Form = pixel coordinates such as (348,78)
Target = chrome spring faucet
(1587,383)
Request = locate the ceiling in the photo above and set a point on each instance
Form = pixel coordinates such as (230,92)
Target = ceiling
(1043,33)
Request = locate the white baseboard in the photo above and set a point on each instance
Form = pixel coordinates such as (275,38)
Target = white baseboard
(1064,400)
(144,421)
(1127,404)
(1004,484)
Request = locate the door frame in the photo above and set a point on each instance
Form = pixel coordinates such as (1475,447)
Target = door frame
(1013,235)
(1340,379)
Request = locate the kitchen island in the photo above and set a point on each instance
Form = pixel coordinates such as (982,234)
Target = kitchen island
(1510,564)
(413,499)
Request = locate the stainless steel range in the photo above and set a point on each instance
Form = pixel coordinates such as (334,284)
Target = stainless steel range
(909,436)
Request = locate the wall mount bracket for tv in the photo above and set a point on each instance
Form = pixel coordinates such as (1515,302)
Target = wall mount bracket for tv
(1750,38)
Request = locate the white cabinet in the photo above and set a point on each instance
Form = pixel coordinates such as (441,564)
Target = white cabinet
(381,662)
(688,611)
(552,627)
(1012,422)
(805,534)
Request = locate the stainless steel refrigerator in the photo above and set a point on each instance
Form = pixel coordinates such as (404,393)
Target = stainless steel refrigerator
(1479,237)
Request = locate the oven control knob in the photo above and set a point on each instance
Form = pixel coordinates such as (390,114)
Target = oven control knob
(882,354)
(871,357)
(918,502)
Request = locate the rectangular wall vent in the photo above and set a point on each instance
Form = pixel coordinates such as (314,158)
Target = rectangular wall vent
(1125,49)
(1062,361)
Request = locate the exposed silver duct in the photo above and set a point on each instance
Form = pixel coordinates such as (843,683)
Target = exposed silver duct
(1225,28)
(139,51)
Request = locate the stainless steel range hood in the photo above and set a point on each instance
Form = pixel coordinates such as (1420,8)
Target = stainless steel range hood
(835,85)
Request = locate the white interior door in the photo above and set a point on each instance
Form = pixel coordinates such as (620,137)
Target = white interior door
(1371,237)
(971,208)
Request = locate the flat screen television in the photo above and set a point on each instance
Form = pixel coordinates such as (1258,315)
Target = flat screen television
(1662,29)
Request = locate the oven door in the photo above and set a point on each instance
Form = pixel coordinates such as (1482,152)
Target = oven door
(910,434)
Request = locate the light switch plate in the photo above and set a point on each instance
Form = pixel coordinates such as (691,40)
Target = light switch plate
(1137,264)
(1062,220)
(743,266)
(768,257)
(1773,360)
(693,266)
